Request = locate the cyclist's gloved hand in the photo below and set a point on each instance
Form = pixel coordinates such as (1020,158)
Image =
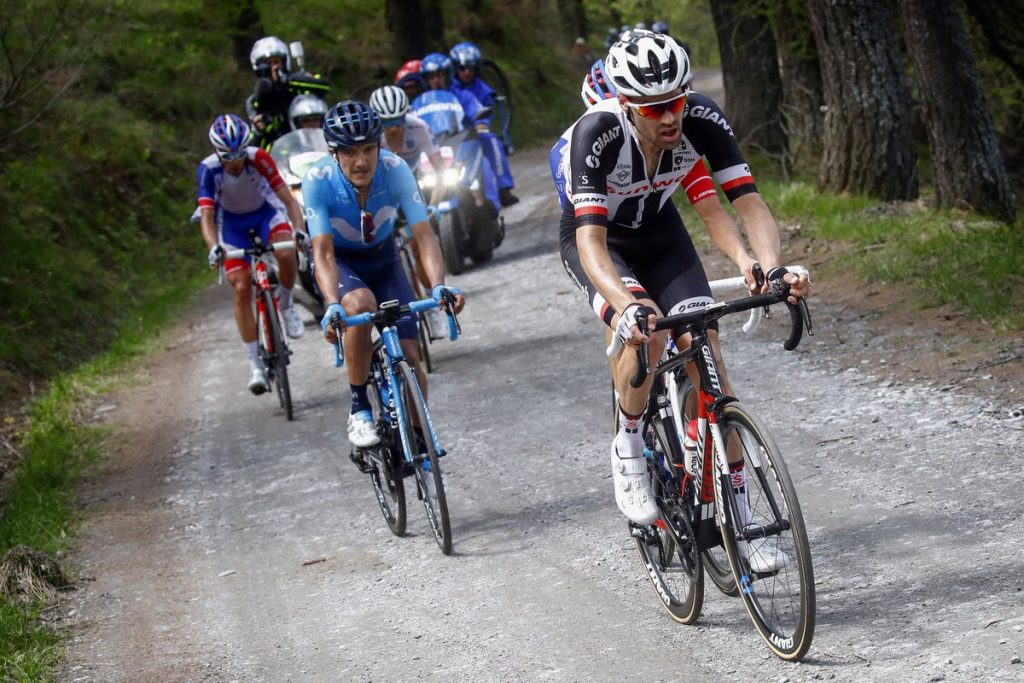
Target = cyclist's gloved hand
(302,240)
(623,328)
(439,291)
(432,211)
(332,311)
(216,256)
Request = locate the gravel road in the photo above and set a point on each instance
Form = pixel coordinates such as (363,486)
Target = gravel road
(223,543)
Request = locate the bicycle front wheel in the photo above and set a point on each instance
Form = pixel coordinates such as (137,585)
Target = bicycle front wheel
(428,465)
(715,561)
(424,343)
(766,540)
(277,355)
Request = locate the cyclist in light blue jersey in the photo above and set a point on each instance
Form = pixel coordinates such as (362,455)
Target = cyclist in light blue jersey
(352,198)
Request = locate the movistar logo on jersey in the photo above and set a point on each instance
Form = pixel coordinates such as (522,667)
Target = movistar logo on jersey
(439,107)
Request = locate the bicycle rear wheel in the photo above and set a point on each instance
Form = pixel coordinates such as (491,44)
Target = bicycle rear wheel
(781,601)
(668,548)
(386,462)
(277,355)
(716,562)
(428,463)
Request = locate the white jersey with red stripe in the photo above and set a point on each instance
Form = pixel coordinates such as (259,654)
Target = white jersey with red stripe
(241,194)
(605,173)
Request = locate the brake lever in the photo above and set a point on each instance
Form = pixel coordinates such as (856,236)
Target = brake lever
(339,351)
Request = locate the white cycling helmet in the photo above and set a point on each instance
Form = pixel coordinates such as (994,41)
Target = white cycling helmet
(303,106)
(390,102)
(270,46)
(648,64)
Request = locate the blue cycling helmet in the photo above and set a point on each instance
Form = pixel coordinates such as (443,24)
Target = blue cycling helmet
(351,123)
(467,54)
(435,62)
(660,27)
(595,86)
(229,134)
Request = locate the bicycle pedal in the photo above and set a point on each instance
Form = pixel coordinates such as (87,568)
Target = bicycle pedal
(358,457)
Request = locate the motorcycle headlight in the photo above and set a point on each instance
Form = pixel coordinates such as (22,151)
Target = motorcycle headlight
(451,176)
(429,180)
(475,185)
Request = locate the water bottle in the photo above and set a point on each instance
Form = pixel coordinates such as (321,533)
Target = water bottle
(690,449)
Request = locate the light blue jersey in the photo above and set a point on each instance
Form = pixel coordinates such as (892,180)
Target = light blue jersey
(332,207)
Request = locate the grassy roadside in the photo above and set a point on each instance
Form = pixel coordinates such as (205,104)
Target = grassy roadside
(942,257)
(40,505)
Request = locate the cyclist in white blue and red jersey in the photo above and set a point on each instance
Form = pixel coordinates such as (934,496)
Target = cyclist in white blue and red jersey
(352,198)
(240,190)
(467,58)
(623,241)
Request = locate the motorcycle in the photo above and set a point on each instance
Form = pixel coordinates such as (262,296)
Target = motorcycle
(294,153)
(465,227)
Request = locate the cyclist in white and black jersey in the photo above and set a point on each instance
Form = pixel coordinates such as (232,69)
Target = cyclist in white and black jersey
(406,134)
(622,239)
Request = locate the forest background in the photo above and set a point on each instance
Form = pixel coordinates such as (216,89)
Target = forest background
(894,126)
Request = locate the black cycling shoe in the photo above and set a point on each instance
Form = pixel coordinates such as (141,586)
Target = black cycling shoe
(506,197)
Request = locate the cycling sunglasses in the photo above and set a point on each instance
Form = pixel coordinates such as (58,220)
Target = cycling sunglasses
(655,110)
(391,123)
(233,156)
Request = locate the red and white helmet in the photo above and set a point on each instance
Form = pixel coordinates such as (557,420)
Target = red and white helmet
(647,64)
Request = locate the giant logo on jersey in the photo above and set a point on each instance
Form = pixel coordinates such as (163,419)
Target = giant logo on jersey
(709,114)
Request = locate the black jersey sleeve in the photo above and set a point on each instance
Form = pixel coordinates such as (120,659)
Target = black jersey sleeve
(594,147)
(708,130)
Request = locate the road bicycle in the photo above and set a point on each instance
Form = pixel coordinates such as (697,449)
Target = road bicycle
(426,333)
(754,548)
(408,441)
(273,347)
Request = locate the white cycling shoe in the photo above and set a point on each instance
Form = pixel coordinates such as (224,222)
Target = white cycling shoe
(763,554)
(633,492)
(293,325)
(258,381)
(437,323)
(362,433)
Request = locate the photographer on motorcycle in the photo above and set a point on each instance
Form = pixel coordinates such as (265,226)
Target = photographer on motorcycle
(467,59)
(276,87)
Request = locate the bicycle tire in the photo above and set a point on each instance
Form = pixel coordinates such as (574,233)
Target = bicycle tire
(436,508)
(386,460)
(669,549)
(424,343)
(780,603)
(715,560)
(451,244)
(277,356)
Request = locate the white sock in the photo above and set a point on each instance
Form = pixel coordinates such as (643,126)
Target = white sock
(738,477)
(252,350)
(629,442)
(284,296)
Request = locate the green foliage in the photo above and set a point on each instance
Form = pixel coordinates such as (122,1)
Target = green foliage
(28,651)
(689,21)
(943,257)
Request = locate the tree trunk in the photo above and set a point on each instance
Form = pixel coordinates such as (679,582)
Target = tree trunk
(968,167)
(750,73)
(868,147)
(802,94)
(415,28)
(245,26)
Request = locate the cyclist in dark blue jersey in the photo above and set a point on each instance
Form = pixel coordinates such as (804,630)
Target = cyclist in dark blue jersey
(352,198)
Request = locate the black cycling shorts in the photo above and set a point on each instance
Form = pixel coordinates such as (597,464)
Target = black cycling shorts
(656,262)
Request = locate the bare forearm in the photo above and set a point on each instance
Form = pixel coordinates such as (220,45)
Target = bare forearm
(761,228)
(591,241)
(429,252)
(326,268)
(208,227)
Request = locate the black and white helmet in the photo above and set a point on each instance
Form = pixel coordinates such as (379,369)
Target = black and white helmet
(647,64)
(390,102)
(303,106)
(270,46)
